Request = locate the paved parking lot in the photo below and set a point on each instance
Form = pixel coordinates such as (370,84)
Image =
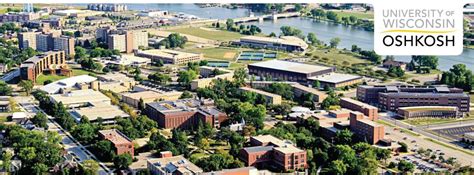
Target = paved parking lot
(422,165)
(455,132)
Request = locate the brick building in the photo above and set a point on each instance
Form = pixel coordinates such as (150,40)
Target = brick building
(184,113)
(270,152)
(53,62)
(121,142)
(365,129)
(366,109)
(393,97)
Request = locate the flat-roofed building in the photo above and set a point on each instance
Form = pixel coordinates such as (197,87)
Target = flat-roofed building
(115,82)
(184,113)
(169,56)
(287,43)
(468,137)
(207,77)
(122,144)
(140,39)
(173,165)
(392,97)
(52,62)
(287,70)
(94,111)
(269,97)
(117,41)
(268,150)
(428,111)
(366,109)
(235,171)
(337,80)
(148,96)
(299,90)
(80,98)
(67,84)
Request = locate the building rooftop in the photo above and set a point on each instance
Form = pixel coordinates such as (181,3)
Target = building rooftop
(309,89)
(115,77)
(103,110)
(235,171)
(290,66)
(175,164)
(167,53)
(189,104)
(359,103)
(80,96)
(260,92)
(56,86)
(335,77)
(255,149)
(115,136)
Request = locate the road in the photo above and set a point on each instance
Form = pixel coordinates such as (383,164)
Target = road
(74,148)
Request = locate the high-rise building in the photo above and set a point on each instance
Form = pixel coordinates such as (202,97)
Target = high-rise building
(27,39)
(36,65)
(117,42)
(140,38)
(64,43)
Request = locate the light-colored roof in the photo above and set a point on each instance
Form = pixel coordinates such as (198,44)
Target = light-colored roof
(359,103)
(80,96)
(19,115)
(115,136)
(287,40)
(430,108)
(148,94)
(103,110)
(335,77)
(268,94)
(54,87)
(115,77)
(167,53)
(290,66)
(175,163)
(309,89)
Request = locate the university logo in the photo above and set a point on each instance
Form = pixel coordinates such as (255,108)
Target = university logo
(418,29)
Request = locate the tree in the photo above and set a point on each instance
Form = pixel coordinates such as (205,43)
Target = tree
(459,76)
(316,84)
(332,100)
(239,76)
(90,167)
(343,137)
(403,147)
(337,167)
(229,24)
(395,71)
(159,78)
(313,39)
(173,40)
(5,89)
(6,160)
(186,94)
(84,132)
(424,63)
(39,168)
(80,53)
(122,161)
(334,42)
(104,150)
(272,34)
(291,31)
(332,16)
(318,13)
(353,19)
(26,85)
(40,120)
(405,166)
(185,77)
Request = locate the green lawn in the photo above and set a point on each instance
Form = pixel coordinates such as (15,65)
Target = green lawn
(426,121)
(334,57)
(219,35)
(220,53)
(360,15)
(42,78)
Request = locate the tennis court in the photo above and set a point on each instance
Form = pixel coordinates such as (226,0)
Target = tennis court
(218,64)
(255,55)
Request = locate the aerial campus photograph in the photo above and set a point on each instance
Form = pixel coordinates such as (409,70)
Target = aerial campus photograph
(225,89)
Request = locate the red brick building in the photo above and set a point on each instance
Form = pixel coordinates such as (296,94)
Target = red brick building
(368,110)
(366,129)
(270,151)
(184,113)
(52,62)
(121,142)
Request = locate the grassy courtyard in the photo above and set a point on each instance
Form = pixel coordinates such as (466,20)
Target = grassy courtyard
(209,33)
(426,121)
(334,57)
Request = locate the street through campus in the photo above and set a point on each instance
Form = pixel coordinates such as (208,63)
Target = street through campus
(421,140)
(75,149)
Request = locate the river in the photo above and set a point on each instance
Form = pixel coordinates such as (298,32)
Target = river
(325,31)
